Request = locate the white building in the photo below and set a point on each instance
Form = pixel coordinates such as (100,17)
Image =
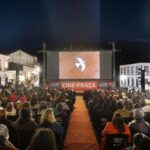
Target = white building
(23,58)
(3,69)
(130,76)
(30,72)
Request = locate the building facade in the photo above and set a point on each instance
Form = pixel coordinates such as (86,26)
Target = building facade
(30,71)
(130,76)
(3,69)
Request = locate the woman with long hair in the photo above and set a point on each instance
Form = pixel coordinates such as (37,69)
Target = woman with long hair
(117,126)
(48,120)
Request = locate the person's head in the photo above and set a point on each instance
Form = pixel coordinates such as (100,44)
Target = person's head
(118,122)
(34,101)
(141,141)
(43,139)
(9,106)
(137,105)
(104,106)
(25,113)
(120,104)
(130,105)
(59,107)
(48,115)
(43,105)
(138,114)
(13,92)
(26,105)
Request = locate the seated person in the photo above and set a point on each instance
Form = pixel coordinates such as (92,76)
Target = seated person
(10,110)
(138,124)
(121,110)
(4,120)
(12,97)
(141,142)
(43,106)
(25,127)
(43,139)
(48,120)
(4,139)
(117,126)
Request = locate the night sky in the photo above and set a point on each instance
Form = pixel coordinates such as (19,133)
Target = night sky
(27,24)
(125,20)
(83,23)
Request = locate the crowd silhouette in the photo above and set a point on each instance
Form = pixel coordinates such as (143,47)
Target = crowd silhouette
(36,118)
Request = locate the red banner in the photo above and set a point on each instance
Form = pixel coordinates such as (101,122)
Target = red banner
(79,86)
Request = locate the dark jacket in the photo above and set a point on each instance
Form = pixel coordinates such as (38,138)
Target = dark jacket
(25,130)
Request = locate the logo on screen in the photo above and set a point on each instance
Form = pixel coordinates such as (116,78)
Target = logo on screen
(80,64)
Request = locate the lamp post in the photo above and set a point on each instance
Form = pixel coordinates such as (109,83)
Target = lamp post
(114,63)
(44,51)
(114,50)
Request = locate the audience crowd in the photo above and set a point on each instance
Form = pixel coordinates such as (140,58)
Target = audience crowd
(34,118)
(120,112)
(37,119)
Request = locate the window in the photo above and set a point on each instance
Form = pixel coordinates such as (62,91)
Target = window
(124,71)
(146,81)
(137,82)
(128,70)
(146,70)
(6,64)
(121,71)
(125,83)
(132,70)
(121,82)
(137,70)
(132,82)
(128,83)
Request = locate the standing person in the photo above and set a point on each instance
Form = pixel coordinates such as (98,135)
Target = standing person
(117,126)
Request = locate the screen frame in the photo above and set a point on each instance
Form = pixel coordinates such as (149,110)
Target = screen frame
(76,50)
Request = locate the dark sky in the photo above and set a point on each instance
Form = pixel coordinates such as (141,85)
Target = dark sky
(125,20)
(27,24)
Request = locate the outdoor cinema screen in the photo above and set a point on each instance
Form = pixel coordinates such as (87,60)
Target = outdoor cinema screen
(79,65)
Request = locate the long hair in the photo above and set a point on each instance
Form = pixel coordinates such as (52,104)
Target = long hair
(43,139)
(48,116)
(118,122)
